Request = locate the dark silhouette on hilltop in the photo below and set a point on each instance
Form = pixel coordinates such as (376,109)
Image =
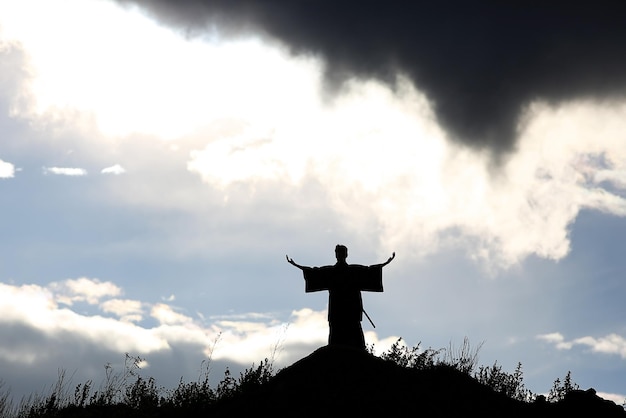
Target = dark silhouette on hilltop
(341,381)
(344,283)
(333,381)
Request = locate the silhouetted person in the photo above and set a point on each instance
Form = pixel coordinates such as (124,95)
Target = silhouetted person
(344,283)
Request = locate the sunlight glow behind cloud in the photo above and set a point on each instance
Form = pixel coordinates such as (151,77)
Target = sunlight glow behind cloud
(369,147)
(140,77)
(424,192)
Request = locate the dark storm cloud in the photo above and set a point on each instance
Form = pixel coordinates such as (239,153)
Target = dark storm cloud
(479,62)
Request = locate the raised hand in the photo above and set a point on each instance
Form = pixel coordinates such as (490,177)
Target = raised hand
(293,263)
(390,258)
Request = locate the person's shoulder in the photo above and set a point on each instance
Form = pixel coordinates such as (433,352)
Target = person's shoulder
(324,267)
(357,266)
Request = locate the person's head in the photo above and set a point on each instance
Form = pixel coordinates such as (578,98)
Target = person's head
(341,252)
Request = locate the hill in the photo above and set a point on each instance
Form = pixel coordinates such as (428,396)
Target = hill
(334,381)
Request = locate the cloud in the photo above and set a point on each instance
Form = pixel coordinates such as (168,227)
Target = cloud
(555,338)
(374,147)
(36,316)
(166,315)
(380,151)
(165,98)
(610,344)
(479,65)
(615,397)
(125,309)
(83,289)
(114,169)
(36,308)
(65,171)
(7,170)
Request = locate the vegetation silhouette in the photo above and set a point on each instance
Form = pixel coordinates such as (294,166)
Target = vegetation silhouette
(344,283)
(332,381)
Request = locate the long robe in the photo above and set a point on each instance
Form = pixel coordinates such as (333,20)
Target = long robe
(344,283)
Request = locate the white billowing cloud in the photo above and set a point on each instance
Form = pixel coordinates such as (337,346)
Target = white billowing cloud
(247,338)
(309,326)
(25,303)
(114,169)
(166,315)
(243,158)
(83,289)
(610,344)
(382,153)
(65,171)
(251,341)
(125,309)
(352,142)
(7,170)
(37,308)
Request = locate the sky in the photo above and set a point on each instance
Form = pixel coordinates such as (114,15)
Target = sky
(159,160)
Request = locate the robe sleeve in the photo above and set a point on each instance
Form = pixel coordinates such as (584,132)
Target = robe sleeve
(357,277)
(371,279)
(317,278)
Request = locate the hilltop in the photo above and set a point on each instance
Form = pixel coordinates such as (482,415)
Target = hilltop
(335,381)
(331,381)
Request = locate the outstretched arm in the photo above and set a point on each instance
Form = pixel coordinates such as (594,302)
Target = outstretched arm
(293,263)
(386,262)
